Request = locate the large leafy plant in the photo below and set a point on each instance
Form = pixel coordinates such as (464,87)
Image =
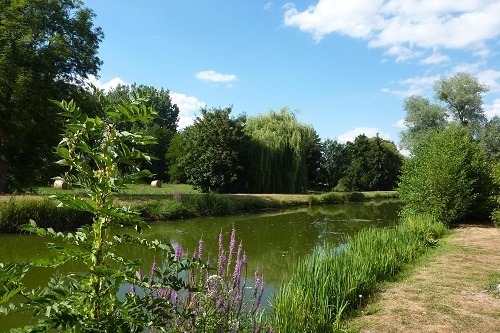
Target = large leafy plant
(93,300)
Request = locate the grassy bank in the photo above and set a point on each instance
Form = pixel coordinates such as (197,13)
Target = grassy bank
(156,204)
(333,282)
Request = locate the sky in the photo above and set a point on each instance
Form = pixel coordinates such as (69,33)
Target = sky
(344,67)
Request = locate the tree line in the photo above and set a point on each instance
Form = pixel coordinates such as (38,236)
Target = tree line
(48,49)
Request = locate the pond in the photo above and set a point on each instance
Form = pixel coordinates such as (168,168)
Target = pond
(273,240)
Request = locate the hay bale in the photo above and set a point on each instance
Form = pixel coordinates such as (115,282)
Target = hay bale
(156,183)
(61,184)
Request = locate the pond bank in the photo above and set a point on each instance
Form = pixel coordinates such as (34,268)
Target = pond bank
(18,210)
(446,292)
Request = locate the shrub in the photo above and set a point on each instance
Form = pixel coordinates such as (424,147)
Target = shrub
(447,177)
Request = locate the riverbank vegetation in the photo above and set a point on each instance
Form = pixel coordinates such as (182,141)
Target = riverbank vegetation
(160,204)
(333,282)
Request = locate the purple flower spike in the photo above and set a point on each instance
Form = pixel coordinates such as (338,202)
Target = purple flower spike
(237,273)
(240,248)
(161,292)
(176,300)
(132,288)
(232,242)
(261,293)
(178,252)
(222,263)
(153,268)
(220,243)
(200,248)
(141,276)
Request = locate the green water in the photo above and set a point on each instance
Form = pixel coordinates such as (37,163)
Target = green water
(273,241)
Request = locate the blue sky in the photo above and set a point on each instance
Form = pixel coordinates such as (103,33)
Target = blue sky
(344,66)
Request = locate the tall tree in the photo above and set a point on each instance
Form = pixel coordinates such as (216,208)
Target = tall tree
(334,162)
(278,152)
(162,128)
(46,48)
(421,116)
(369,164)
(462,94)
(215,147)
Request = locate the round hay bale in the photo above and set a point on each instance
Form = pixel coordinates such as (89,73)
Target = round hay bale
(61,184)
(156,183)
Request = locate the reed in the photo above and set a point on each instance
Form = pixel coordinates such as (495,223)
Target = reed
(334,281)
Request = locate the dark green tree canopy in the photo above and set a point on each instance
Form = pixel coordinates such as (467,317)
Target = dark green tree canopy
(214,151)
(45,48)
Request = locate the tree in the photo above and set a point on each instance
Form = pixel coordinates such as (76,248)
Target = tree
(421,117)
(367,164)
(278,152)
(46,47)
(333,163)
(462,95)
(489,138)
(314,155)
(215,146)
(447,177)
(162,128)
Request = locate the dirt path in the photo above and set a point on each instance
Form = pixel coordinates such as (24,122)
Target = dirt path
(445,295)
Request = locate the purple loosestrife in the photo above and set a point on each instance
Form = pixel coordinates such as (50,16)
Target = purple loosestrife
(232,243)
(178,252)
(200,248)
(132,288)
(153,269)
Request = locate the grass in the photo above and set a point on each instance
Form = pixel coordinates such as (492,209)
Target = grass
(334,282)
(493,283)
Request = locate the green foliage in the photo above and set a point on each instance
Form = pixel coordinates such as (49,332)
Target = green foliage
(44,212)
(162,128)
(447,177)
(279,147)
(421,117)
(45,48)
(489,139)
(174,157)
(462,95)
(367,164)
(336,198)
(88,301)
(214,152)
(334,281)
(496,180)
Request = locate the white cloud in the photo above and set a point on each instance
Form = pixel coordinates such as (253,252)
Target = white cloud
(188,105)
(434,59)
(268,6)
(492,110)
(213,76)
(414,86)
(491,78)
(399,124)
(402,53)
(424,24)
(368,131)
(107,86)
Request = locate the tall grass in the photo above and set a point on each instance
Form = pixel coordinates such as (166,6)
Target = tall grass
(334,280)
(44,212)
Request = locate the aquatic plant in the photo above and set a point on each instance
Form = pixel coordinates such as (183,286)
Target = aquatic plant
(334,280)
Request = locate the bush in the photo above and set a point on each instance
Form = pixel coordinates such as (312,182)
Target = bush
(447,177)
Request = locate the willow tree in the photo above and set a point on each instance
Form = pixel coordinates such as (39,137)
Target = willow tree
(279,145)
